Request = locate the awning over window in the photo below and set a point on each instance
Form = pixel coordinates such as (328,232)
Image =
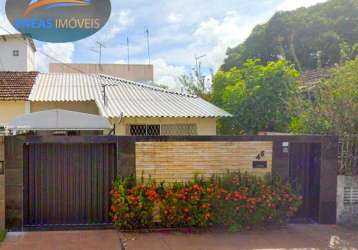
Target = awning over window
(59,120)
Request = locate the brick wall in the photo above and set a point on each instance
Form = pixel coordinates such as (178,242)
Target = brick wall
(177,161)
(2,185)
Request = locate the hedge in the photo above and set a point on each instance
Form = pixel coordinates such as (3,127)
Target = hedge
(235,201)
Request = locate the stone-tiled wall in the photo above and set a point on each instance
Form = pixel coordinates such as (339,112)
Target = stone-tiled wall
(346,213)
(2,185)
(178,161)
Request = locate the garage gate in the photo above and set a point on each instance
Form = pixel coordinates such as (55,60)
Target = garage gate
(68,184)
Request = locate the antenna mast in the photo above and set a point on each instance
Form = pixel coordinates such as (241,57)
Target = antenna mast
(148,44)
(128,55)
(101,46)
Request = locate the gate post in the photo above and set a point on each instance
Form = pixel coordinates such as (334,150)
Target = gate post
(14,182)
(2,183)
(328,185)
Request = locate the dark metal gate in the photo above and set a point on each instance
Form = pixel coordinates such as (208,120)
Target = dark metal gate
(304,168)
(68,184)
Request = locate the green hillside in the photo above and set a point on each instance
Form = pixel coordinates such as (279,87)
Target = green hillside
(324,35)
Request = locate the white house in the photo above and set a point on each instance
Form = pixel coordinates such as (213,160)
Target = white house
(17,53)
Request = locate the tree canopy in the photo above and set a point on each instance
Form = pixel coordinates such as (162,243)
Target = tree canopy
(335,107)
(322,35)
(257,95)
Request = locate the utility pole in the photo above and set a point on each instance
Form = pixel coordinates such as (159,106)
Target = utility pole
(148,44)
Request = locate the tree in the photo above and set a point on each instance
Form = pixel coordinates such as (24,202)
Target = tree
(298,36)
(335,106)
(197,85)
(257,95)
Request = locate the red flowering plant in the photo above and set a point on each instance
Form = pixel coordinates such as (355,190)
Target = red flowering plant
(187,204)
(235,200)
(243,201)
(132,205)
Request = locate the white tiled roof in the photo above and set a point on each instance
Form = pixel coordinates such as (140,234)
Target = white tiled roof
(127,98)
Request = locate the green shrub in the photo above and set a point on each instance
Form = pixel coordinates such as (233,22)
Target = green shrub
(236,201)
(3,234)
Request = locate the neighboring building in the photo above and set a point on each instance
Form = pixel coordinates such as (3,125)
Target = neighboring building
(133,72)
(310,78)
(17,53)
(132,108)
(309,81)
(15,88)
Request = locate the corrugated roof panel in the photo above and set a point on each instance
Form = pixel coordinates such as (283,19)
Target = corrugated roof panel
(123,97)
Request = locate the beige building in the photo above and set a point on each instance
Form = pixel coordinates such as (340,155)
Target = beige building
(15,88)
(133,72)
(132,108)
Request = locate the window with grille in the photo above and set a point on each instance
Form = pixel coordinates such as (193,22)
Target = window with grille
(162,130)
(144,130)
(179,130)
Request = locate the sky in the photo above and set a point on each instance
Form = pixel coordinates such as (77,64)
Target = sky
(179,30)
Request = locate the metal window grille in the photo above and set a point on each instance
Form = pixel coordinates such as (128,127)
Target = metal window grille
(164,130)
(351,195)
(144,130)
(179,130)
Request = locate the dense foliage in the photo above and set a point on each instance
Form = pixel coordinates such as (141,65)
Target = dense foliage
(323,35)
(236,201)
(257,95)
(334,109)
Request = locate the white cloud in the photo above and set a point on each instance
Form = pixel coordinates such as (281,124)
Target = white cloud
(294,4)
(119,21)
(215,36)
(7,27)
(166,74)
(62,52)
(174,18)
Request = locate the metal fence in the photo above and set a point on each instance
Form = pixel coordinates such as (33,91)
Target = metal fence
(348,155)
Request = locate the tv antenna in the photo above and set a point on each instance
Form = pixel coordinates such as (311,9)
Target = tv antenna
(148,44)
(128,55)
(99,51)
(198,65)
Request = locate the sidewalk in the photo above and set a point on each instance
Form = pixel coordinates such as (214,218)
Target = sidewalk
(290,237)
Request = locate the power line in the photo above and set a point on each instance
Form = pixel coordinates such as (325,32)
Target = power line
(63,63)
(45,54)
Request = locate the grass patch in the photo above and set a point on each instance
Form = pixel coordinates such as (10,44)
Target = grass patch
(2,235)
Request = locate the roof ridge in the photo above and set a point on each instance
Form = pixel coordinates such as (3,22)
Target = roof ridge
(147,86)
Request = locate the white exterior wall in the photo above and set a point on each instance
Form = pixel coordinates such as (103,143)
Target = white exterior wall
(26,59)
(347,213)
